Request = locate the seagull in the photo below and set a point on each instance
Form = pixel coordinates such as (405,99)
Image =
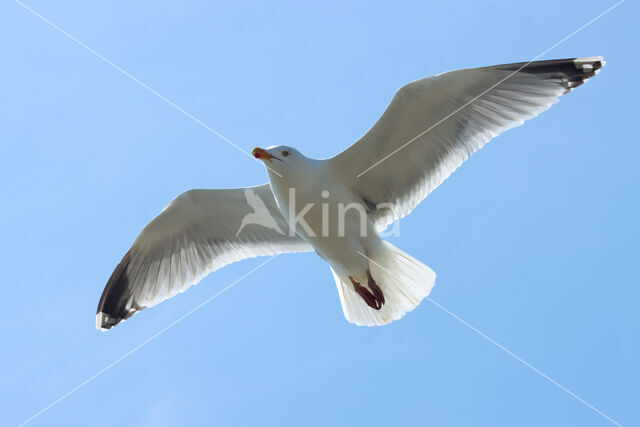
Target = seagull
(338,207)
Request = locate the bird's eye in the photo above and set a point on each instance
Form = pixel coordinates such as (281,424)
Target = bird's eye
(285,153)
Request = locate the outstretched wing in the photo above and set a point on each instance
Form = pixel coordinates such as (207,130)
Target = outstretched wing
(193,236)
(434,124)
(253,199)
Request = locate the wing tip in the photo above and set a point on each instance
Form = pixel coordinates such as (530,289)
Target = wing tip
(104,321)
(590,59)
(568,73)
(591,64)
(588,67)
(116,303)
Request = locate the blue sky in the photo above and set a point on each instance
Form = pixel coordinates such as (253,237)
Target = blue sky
(534,240)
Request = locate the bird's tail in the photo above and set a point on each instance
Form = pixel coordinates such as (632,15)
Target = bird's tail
(404,281)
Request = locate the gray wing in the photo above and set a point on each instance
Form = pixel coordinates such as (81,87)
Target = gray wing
(434,124)
(193,236)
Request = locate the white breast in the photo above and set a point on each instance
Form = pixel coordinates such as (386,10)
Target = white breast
(325,213)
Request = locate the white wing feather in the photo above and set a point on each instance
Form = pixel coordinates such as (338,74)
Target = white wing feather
(460,111)
(193,236)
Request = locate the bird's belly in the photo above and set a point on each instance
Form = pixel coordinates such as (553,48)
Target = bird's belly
(316,217)
(328,216)
(337,229)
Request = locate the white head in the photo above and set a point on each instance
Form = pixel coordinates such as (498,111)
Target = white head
(281,159)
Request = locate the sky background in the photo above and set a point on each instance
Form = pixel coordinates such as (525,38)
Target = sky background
(534,240)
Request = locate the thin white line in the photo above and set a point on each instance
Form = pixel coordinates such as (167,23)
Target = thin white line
(524,362)
(509,352)
(142,344)
(165,99)
(501,81)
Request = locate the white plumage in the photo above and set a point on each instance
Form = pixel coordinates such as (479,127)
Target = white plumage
(428,130)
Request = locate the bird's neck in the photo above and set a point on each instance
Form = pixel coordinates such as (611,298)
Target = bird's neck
(303,180)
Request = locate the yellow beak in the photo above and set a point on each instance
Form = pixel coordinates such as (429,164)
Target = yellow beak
(261,153)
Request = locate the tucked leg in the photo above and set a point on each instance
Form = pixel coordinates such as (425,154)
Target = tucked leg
(375,289)
(365,294)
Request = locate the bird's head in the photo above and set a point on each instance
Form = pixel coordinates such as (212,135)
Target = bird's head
(280,159)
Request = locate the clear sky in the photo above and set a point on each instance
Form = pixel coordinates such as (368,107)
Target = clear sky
(534,240)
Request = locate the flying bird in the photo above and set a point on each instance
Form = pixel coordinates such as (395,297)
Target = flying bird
(338,206)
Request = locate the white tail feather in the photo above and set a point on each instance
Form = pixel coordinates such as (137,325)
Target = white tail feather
(404,281)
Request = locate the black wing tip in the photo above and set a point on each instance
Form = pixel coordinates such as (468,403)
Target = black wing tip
(115,303)
(585,69)
(105,321)
(571,72)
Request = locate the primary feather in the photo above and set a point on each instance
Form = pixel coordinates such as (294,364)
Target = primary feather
(194,235)
(434,124)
